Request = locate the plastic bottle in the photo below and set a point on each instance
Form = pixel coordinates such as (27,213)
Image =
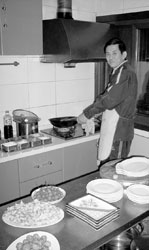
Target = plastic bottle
(8,128)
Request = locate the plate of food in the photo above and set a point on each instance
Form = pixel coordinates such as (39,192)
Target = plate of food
(35,240)
(33,214)
(50,194)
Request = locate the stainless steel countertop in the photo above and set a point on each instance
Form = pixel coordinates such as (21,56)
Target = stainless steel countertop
(71,232)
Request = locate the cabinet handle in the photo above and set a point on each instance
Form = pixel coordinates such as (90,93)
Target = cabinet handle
(43,165)
(37,166)
(47,164)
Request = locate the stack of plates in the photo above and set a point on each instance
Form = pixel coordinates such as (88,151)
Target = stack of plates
(135,167)
(93,211)
(108,190)
(138,193)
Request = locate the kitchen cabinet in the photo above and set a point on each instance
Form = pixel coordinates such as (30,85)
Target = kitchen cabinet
(80,159)
(9,181)
(33,168)
(44,168)
(21,27)
(140,146)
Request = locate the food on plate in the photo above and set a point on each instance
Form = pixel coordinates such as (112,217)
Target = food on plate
(34,242)
(32,214)
(49,193)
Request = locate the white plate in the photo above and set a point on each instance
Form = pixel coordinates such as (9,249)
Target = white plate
(104,186)
(54,242)
(59,190)
(135,166)
(106,189)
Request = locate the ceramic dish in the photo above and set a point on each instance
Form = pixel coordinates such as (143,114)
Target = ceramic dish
(106,189)
(50,194)
(135,166)
(138,193)
(34,214)
(54,242)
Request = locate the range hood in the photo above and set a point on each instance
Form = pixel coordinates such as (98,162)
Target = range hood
(73,41)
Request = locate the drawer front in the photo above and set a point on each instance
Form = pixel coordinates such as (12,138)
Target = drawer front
(51,179)
(40,165)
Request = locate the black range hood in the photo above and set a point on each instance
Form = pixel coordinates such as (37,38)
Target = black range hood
(72,41)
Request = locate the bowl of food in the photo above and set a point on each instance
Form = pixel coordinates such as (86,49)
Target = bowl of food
(49,193)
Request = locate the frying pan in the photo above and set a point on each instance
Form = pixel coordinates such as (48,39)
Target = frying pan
(64,122)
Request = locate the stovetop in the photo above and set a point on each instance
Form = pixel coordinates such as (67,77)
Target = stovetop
(77,133)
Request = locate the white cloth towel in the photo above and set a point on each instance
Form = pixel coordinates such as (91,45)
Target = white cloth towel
(89,127)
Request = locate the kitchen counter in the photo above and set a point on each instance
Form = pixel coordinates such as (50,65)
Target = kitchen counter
(56,144)
(72,233)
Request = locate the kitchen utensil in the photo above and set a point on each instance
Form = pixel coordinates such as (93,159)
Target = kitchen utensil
(140,243)
(26,122)
(123,240)
(63,122)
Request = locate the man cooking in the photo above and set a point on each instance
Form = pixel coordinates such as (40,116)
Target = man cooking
(117,104)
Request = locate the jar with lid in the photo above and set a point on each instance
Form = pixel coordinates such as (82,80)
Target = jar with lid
(8,128)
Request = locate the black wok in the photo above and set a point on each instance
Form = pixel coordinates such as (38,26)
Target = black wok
(64,122)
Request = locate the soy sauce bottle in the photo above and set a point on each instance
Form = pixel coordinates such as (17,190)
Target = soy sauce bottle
(8,128)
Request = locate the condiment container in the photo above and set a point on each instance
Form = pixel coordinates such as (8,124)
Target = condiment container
(34,142)
(9,146)
(23,144)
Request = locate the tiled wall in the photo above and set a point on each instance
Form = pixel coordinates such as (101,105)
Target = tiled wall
(51,90)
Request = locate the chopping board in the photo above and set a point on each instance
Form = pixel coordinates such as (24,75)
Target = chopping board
(108,171)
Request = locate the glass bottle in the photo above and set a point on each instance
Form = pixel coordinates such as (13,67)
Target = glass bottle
(8,128)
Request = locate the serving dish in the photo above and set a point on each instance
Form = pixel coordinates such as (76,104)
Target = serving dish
(50,194)
(33,214)
(54,242)
(109,190)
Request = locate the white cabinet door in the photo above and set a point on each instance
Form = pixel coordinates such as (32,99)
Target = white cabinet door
(37,170)
(21,27)
(9,181)
(80,159)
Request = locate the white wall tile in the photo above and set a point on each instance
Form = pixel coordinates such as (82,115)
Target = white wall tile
(85,5)
(49,2)
(45,113)
(84,16)
(72,109)
(74,91)
(41,94)
(109,7)
(10,74)
(13,97)
(133,4)
(49,12)
(38,72)
(81,71)
(136,9)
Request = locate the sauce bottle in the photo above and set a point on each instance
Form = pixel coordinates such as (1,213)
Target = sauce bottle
(8,129)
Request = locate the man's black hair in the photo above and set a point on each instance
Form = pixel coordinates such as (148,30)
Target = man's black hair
(114,41)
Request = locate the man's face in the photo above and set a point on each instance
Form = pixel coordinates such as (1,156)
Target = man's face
(114,56)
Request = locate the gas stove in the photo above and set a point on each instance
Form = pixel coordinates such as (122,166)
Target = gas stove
(78,132)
